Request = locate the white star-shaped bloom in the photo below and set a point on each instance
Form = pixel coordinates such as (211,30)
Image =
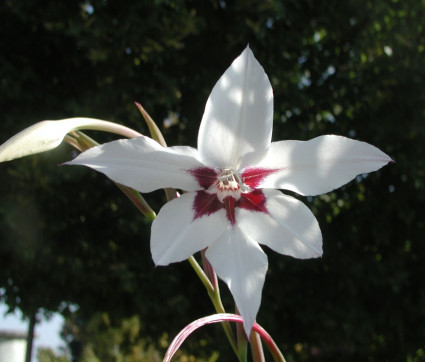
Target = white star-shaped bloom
(231,205)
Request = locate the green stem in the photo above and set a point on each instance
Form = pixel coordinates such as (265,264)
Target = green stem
(201,274)
(138,201)
(214,295)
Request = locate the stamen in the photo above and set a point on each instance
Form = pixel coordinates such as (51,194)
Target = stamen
(225,174)
(230,180)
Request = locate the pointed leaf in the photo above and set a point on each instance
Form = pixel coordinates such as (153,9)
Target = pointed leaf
(153,128)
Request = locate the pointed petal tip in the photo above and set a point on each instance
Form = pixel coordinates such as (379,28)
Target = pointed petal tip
(242,265)
(158,262)
(318,255)
(248,328)
(247,49)
(321,164)
(236,126)
(385,160)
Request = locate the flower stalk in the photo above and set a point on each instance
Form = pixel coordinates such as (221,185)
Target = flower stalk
(214,295)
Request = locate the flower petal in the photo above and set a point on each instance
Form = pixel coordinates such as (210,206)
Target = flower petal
(177,234)
(288,227)
(143,164)
(47,135)
(236,126)
(240,262)
(320,165)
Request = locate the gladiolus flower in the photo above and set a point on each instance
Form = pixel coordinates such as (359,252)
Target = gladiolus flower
(232,205)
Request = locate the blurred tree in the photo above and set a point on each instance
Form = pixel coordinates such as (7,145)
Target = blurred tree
(47,355)
(102,339)
(354,68)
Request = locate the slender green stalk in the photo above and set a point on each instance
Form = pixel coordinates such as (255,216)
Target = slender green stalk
(201,274)
(214,295)
(138,201)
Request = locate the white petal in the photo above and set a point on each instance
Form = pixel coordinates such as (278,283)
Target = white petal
(288,228)
(320,165)
(143,164)
(240,262)
(47,135)
(236,126)
(176,235)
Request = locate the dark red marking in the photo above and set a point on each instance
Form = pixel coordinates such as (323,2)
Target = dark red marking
(229,205)
(253,201)
(205,204)
(252,177)
(205,176)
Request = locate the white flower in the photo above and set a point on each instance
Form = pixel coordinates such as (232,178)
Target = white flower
(231,205)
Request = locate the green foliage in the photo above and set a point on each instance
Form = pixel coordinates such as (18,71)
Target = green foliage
(354,68)
(102,339)
(47,355)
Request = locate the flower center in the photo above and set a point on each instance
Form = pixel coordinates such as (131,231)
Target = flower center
(227,180)
(229,183)
(227,189)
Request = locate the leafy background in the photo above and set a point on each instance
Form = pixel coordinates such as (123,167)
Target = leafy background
(68,237)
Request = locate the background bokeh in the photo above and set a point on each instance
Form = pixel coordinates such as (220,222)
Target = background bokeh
(69,237)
